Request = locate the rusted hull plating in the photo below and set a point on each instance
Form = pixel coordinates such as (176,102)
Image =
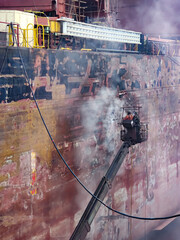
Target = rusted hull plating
(77,94)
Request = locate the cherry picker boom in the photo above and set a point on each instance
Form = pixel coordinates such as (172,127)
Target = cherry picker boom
(133,132)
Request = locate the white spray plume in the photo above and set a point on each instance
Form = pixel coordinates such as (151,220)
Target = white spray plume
(160,18)
(103,111)
(155,16)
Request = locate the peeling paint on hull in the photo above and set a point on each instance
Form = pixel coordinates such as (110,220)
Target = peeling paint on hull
(68,86)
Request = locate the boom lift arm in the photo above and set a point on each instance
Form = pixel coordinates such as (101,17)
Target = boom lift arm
(133,133)
(83,226)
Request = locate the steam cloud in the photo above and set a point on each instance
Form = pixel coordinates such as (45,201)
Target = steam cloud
(160,17)
(103,111)
(155,17)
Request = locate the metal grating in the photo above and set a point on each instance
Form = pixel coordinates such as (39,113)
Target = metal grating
(84,30)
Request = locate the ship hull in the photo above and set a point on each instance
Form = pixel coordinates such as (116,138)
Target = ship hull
(80,96)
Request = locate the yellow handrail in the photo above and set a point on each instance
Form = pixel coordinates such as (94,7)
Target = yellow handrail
(30,24)
(10,37)
(24,43)
(39,31)
(36,12)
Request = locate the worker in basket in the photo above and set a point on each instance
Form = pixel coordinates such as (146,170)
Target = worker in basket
(129,116)
(131,124)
